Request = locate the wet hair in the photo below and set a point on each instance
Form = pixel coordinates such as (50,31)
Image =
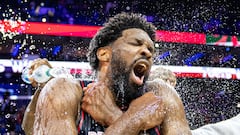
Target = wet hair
(113,29)
(164,74)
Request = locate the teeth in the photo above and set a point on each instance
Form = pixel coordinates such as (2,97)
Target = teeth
(143,65)
(141,68)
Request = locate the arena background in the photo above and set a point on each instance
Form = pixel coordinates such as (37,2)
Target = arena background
(198,40)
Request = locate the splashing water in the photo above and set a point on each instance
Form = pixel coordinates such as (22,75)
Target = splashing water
(44,73)
(10,28)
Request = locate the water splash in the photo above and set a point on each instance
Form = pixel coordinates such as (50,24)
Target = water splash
(11,28)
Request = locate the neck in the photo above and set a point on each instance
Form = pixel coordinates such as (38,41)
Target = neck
(102,72)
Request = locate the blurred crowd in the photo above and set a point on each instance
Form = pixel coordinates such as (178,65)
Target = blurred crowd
(210,17)
(222,17)
(208,100)
(11,115)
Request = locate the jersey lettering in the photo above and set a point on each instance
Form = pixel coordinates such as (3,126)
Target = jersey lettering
(95,133)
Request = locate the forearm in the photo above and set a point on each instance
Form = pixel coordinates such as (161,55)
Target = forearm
(28,119)
(145,112)
(113,116)
(125,125)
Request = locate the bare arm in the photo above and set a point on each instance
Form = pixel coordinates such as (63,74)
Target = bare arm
(29,115)
(143,113)
(28,119)
(161,106)
(98,101)
(168,112)
(175,122)
(57,107)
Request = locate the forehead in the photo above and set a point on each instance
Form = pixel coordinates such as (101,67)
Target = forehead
(136,33)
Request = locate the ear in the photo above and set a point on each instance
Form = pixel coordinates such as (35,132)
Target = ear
(104,54)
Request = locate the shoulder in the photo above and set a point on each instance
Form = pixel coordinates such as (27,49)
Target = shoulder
(161,88)
(63,81)
(62,89)
(58,105)
(167,93)
(172,107)
(63,85)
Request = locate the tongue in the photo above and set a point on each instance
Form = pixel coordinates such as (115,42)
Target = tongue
(139,80)
(138,71)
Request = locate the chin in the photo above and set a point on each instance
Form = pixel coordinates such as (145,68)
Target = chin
(136,91)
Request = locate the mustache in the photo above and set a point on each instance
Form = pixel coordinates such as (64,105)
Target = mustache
(140,58)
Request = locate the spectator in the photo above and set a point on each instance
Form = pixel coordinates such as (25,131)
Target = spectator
(8,111)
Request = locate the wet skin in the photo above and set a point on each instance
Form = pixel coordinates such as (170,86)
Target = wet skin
(59,101)
(161,105)
(28,119)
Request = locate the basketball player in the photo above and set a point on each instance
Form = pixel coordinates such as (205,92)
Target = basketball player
(121,54)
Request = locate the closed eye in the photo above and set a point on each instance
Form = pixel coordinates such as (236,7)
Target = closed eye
(151,49)
(136,42)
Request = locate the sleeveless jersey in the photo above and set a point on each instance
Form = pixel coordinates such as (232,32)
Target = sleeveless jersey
(88,126)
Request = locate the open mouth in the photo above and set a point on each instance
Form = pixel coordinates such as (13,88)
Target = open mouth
(139,71)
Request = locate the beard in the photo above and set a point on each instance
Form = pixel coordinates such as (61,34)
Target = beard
(123,90)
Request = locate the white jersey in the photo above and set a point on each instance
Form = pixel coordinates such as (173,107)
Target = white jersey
(227,127)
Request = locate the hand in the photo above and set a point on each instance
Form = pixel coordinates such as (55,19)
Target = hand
(147,111)
(143,113)
(98,101)
(34,65)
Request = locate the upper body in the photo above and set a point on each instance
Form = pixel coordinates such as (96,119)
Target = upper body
(7,105)
(227,127)
(120,99)
(124,67)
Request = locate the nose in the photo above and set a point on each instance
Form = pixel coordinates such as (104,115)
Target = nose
(146,52)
